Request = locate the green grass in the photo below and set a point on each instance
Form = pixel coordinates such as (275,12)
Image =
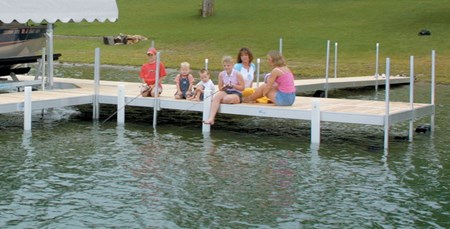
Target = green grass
(305,25)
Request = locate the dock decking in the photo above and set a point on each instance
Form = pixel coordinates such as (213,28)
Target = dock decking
(308,85)
(315,110)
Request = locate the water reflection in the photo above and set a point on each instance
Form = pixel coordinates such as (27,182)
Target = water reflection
(26,141)
(204,180)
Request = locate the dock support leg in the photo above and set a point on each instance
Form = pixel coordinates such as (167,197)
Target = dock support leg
(326,68)
(433,86)
(121,104)
(315,122)
(387,105)
(206,110)
(96,104)
(411,97)
(27,109)
(156,107)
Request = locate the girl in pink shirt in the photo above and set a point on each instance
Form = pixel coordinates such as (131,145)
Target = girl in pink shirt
(280,87)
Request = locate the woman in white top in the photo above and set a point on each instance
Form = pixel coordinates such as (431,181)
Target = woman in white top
(247,69)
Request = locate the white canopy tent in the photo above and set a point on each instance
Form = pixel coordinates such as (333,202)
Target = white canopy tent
(51,11)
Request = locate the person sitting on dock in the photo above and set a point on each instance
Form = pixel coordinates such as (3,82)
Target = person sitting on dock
(247,69)
(205,84)
(148,74)
(231,85)
(184,81)
(280,87)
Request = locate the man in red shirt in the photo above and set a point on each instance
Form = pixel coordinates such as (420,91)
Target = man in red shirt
(148,74)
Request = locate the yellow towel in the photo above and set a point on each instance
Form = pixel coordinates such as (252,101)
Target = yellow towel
(248,92)
(264,99)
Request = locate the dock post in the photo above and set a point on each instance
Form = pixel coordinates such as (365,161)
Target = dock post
(315,122)
(411,97)
(96,104)
(121,104)
(281,45)
(326,68)
(376,67)
(156,104)
(335,58)
(386,115)
(206,110)
(433,86)
(27,110)
(258,63)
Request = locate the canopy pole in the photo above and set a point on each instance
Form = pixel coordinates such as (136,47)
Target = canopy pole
(50,54)
(42,69)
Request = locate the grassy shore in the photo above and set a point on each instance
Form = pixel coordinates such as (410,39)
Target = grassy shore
(304,26)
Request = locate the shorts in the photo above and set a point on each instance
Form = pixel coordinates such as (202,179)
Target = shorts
(234,92)
(147,92)
(185,94)
(284,99)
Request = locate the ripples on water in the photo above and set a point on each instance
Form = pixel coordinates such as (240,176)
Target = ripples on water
(264,174)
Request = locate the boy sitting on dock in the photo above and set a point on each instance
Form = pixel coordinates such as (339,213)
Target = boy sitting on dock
(205,84)
(184,81)
(148,74)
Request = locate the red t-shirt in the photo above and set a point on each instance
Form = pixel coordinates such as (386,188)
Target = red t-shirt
(148,73)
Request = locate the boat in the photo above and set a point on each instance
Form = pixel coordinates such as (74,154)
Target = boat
(19,44)
(18,40)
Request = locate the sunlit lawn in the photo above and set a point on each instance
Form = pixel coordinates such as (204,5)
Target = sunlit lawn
(304,26)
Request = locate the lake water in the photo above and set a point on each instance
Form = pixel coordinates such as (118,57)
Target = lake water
(70,172)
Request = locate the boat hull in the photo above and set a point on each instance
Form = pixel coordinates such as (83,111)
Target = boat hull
(21,40)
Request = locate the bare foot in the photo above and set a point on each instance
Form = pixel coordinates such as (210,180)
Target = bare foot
(208,122)
(195,99)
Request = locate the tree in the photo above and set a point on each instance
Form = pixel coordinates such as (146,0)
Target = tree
(207,8)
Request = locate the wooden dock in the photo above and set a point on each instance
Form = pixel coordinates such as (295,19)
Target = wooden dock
(308,85)
(316,110)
